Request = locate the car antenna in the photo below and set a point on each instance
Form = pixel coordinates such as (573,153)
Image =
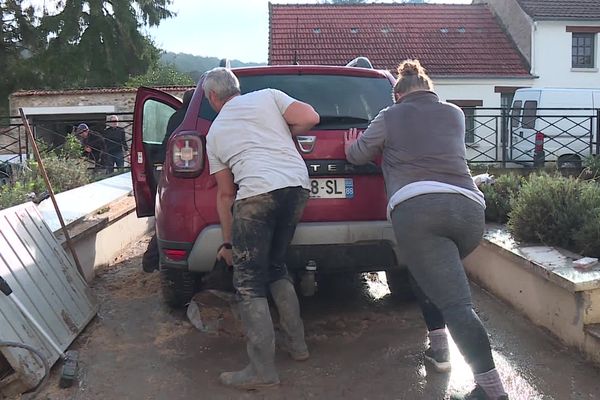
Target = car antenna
(295,61)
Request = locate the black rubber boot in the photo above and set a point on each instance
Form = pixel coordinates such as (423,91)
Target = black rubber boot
(285,298)
(260,344)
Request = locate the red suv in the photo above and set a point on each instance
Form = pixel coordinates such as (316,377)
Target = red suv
(344,226)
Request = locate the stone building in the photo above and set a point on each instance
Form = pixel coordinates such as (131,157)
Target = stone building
(55,113)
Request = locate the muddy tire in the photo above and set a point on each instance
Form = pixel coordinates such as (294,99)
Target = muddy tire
(399,284)
(178,287)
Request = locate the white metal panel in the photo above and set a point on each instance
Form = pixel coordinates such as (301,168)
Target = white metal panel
(44,279)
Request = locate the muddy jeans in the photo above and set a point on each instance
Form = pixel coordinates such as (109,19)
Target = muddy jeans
(263,227)
(434,233)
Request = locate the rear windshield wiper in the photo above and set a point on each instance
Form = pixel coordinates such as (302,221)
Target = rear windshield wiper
(342,119)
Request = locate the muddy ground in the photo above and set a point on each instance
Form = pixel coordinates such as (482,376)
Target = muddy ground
(363,346)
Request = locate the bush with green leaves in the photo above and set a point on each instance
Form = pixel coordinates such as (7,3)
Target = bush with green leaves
(499,196)
(587,239)
(591,167)
(65,169)
(552,209)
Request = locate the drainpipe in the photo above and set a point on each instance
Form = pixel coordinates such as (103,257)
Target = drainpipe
(532,58)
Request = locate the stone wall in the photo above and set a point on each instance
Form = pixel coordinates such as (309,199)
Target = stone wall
(122,99)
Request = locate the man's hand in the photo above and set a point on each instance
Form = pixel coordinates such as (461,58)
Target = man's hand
(350,138)
(87,149)
(225,255)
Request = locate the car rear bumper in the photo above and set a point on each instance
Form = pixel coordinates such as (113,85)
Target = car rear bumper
(363,245)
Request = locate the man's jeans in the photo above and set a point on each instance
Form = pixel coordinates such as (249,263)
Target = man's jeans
(112,159)
(263,227)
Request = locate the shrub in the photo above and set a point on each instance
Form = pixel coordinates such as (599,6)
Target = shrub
(64,174)
(587,239)
(65,168)
(591,166)
(551,210)
(499,195)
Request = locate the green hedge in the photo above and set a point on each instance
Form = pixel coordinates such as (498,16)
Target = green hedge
(549,208)
(65,168)
(499,195)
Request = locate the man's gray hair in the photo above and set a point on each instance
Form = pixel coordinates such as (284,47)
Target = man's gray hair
(222,82)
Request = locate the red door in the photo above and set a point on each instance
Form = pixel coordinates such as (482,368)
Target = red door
(152,111)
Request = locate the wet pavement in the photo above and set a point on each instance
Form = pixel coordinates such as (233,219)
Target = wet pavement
(363,346)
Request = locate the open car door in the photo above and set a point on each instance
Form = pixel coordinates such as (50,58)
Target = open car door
(152,111)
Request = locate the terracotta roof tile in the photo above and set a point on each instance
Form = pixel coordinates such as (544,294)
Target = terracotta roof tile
(562,9)
(449,40)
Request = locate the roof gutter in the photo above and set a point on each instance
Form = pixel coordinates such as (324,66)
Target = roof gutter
(532,61)
(595,19)
(483,76)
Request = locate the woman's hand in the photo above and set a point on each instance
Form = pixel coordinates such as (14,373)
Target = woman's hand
(349,138)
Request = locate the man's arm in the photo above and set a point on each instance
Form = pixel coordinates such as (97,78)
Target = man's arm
(225,196)
(300,117)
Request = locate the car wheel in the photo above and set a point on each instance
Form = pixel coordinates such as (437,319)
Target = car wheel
(569,161)
(399,284)
(178,287)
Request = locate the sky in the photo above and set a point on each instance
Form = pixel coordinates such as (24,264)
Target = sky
(234,29)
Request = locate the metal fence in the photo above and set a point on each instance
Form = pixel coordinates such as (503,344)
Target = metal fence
(493,136)
(565,136)
(51,135)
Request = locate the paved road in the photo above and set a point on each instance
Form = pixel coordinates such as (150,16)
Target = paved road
(363,347)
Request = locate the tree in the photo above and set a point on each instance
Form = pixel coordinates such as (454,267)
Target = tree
(161,75)
(19,40)
(99,43)
(84,43)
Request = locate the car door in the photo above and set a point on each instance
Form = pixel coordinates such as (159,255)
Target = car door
(152,111)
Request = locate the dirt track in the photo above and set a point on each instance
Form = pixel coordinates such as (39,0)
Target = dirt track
(361,348)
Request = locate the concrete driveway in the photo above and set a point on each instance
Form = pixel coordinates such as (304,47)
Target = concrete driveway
(363,346)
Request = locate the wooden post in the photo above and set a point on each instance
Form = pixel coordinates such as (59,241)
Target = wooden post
(38,158)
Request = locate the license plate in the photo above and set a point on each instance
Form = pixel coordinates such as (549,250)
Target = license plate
(334,188)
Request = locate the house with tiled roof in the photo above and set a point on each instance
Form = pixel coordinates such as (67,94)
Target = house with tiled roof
(470,57)
(558,38)
(59,111)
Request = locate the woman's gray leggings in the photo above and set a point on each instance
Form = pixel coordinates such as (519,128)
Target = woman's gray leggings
(434,233)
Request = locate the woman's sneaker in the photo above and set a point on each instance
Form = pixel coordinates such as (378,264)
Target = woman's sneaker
(439,359)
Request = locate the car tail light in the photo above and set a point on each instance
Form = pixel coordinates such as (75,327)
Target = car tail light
(175,254)
(187,154)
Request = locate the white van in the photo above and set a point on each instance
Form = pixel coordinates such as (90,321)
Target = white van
(566,119)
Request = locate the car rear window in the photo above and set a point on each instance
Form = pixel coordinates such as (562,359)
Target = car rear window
(529,114)
(341,101)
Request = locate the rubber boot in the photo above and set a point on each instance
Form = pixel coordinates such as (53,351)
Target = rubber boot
(260,344)
(285,298)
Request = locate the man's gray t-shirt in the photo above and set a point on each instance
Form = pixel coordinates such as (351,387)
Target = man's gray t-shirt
(252,139)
